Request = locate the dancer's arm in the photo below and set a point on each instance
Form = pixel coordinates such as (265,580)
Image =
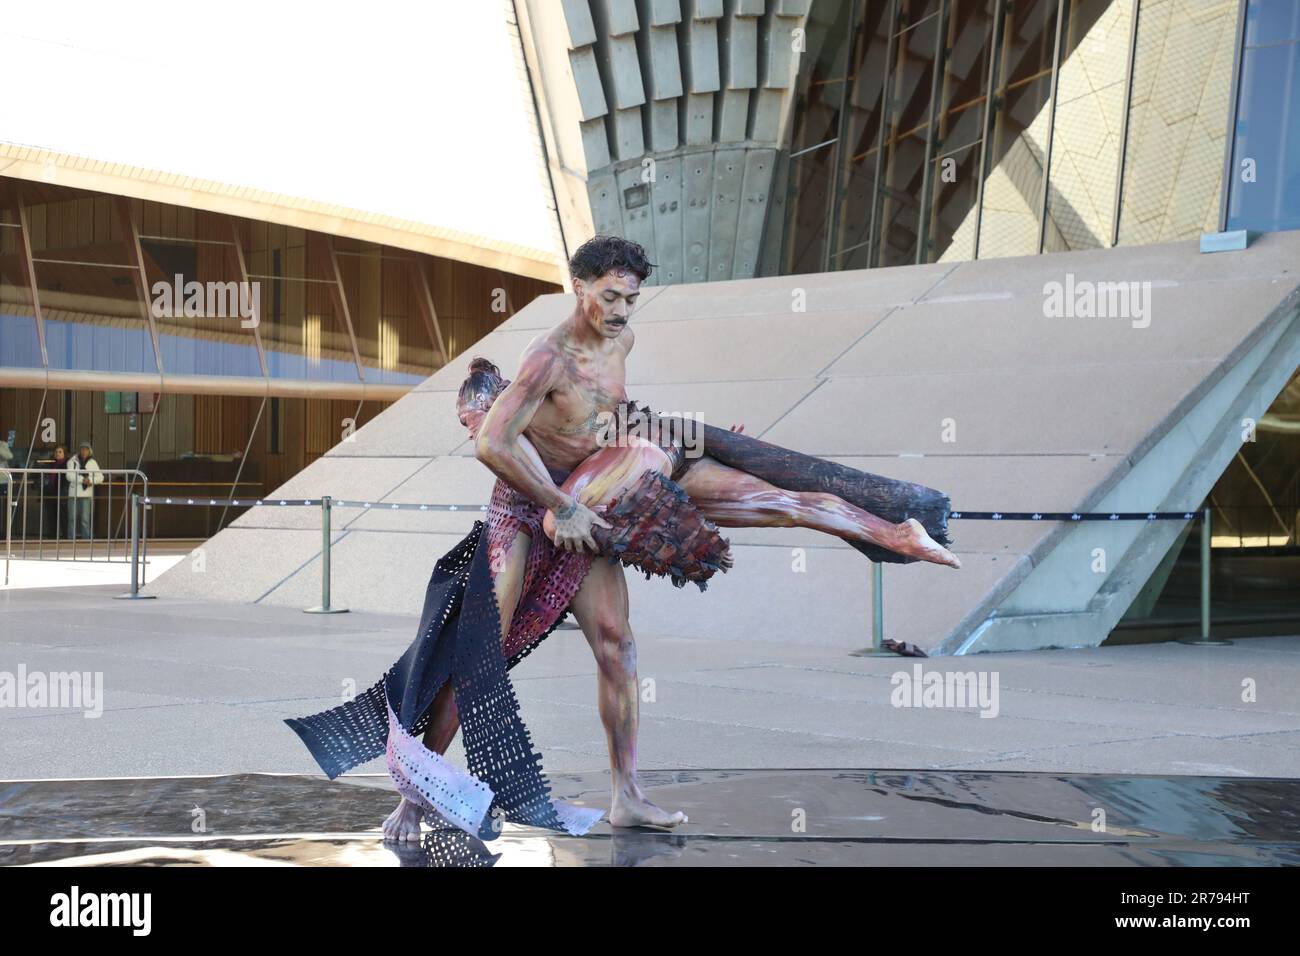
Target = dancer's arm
(501,446)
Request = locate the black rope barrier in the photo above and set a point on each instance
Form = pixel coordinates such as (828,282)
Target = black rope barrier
(310,502)
(1075,515)
(877,647)
(406,506)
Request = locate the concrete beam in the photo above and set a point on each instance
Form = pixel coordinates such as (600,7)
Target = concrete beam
(665,12)
(629,135)
(619,16)
(580,29)
(663,67)
(624,71)
(586,80)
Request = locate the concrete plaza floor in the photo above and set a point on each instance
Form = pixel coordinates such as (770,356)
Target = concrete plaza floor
(202,687)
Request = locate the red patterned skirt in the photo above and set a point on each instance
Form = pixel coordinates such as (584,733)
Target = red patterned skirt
(552,576)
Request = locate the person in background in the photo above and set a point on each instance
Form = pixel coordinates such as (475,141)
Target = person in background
(83,475)
(5,478)
(53,488)
(6,459)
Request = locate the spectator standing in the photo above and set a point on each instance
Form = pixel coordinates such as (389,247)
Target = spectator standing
(83,476)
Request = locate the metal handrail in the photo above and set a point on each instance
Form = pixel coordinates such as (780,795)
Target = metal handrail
(22,478)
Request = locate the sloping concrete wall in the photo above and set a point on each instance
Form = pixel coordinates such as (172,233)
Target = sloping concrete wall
(947,374)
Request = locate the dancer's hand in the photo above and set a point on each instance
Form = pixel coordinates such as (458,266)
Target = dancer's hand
(573,527)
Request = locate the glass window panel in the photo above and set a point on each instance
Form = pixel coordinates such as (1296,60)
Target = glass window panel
(911,12)
(1255,524)
(810,184)
(1178,117)
(160,220)
(303,335)
(1013,178)
(391,335)
(1272,21)
(203,334)
(1088,119)
(20,410)
(87,282)
(813,151)
(959,132)
(20,345)
(29,422)
(417,353)
(911,87)
(93,319)
(956,191)
(199,446)
(1264,194)
(45,420)
(862,147)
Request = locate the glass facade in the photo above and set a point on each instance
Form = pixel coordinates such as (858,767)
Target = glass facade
(1264,172)
(304,329)
(19,340)
(1178,116)
(950,130)
(203,446)
(133,286)
(958,129)
(180,246)
(180,321)
(1255,541)
(87,282)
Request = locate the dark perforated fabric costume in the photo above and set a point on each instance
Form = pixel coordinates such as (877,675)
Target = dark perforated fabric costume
(459,639)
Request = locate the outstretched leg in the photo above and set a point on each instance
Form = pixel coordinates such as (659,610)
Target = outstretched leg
(601,608)
(731,498)
(403,824)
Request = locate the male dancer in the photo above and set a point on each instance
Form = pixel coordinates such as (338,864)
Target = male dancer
(544,438)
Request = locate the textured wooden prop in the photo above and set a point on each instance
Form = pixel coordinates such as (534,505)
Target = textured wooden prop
(892,500)
(659,531)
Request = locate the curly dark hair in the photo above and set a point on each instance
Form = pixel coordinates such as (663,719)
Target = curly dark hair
(480,389)
(600,254)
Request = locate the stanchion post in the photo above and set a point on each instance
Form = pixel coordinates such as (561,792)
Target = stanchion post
(877,646)
(1205,640)
(137,509)
(324,607)
(145,508)
(1205,575)
(25,523)
(9,541)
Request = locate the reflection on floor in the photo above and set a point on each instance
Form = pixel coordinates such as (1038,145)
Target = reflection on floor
(738,818)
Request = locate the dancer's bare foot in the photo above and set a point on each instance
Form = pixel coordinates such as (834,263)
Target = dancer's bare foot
(915,541)
(403,824)
(632,809)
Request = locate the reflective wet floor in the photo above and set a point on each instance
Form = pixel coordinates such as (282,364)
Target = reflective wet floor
(737,818)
